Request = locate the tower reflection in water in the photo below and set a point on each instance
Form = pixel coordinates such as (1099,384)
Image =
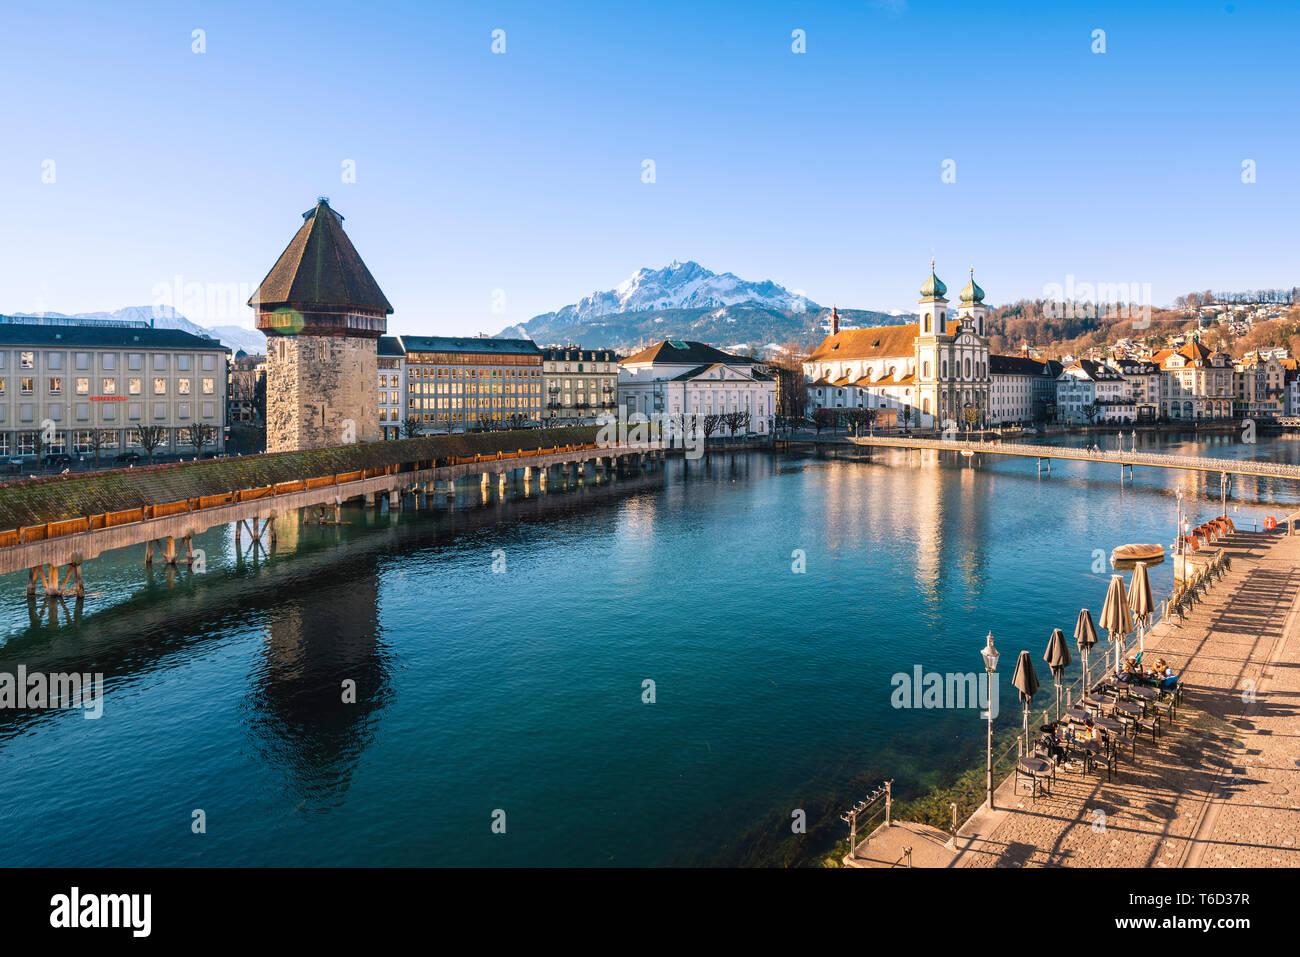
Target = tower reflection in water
(324,677)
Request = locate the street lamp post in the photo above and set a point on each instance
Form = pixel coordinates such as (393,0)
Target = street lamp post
(990,656)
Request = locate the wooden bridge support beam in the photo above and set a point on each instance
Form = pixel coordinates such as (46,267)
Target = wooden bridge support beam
(55,582)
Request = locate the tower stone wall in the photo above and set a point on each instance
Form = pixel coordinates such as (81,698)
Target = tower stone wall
(321,391)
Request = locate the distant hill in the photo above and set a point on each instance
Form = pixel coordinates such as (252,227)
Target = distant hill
(234,338)
(687,301)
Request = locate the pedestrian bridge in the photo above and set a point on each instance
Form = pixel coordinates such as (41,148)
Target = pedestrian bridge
(53,552)
(1126,460)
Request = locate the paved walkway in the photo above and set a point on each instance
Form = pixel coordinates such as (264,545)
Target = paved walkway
(1222,787)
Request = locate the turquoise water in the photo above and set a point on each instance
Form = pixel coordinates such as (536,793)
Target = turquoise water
(522,690)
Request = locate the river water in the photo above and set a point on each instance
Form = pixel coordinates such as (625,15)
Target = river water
(501,655)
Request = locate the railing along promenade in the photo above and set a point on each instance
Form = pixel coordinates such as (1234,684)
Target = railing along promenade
(1045,453)
(43,549)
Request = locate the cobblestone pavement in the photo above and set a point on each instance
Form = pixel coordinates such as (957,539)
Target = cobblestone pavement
(1222,786)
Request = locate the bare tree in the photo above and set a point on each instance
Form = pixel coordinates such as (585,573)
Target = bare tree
(712,423)
(98,440)
(199,435)
(151,437)
(735,421)
(412,427)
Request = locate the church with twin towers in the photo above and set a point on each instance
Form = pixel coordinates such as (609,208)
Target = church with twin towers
(927,373)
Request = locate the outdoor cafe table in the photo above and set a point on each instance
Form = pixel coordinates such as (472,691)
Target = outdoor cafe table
(1144,691)
(1035,767)
(1076,714)
(1097,700)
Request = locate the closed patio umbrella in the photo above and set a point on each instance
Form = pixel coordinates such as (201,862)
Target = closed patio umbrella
(1026,682)
(1057,657)
(1085,636)
(1141,602)
(1115,615)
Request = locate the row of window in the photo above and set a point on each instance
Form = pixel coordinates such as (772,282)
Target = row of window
(472,372)
(82,441)
(135,361)
(476,403)
(473,388)
(108,386)
(108,411)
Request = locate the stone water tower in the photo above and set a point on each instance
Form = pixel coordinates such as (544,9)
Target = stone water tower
(322,313)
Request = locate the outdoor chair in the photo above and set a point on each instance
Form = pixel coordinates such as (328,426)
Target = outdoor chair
(1035,778)
(1147,725)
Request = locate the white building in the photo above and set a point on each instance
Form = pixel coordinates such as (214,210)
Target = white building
(1088,392)
(929,372)
(677,377)
(1142,378)
(392,387)
(1016,390)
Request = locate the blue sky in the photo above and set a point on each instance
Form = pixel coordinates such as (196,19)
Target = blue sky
(522,171)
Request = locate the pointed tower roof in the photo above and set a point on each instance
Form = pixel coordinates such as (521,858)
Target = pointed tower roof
(933,289)
(320,267)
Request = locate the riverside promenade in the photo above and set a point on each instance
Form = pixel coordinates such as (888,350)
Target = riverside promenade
(1222,786)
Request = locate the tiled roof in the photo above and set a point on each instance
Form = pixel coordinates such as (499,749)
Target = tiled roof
(874,342)
(391,346)
(679,352)
(320,267)
(1014,365)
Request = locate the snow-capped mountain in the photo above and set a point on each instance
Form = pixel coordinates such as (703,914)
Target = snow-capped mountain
(678,285)
(686,301)
(234,338)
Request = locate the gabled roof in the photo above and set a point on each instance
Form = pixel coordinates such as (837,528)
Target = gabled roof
(699,371)
(320,267)
(679,352)
(1096,371)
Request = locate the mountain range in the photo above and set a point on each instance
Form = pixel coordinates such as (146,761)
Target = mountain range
(687,301)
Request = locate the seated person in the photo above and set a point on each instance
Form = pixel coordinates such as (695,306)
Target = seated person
(1048,743)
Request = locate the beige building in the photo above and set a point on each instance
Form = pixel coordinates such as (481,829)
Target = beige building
(61,384)
(1195,383)
(579,384)
(458,384)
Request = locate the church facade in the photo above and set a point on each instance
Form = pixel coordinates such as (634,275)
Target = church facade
(932,373)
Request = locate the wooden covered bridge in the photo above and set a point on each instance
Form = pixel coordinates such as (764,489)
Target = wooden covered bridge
(51,526)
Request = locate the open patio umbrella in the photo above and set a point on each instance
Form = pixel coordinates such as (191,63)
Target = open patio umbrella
(1026,682)
(1141,602)
(1057,657)
(1116,617)
(1085,636)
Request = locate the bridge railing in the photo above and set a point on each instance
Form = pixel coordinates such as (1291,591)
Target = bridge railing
(1194,462)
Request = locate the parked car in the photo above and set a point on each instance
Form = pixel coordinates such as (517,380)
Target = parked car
(56,458)
(131,457)
(14,464)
